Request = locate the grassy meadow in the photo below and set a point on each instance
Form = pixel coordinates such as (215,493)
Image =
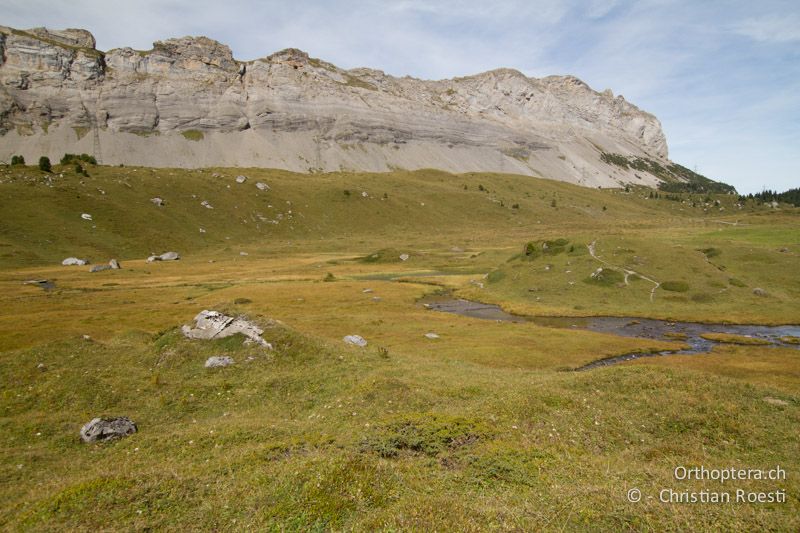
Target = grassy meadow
(485,427)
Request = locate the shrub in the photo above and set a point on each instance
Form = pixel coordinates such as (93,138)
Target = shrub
(78,158)
(329,277)
(17,160)
(44,164)
(675,286)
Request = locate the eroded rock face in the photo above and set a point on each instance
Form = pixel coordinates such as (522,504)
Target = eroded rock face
(100,429)
(59,94)
(215,325)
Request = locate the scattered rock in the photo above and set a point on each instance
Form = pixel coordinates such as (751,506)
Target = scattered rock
(215,325)
(784,250)
(86,216)
(74,261)
(243,254)
(376,298)
(241,179)
(202,230)
(158,201)
(404,257)
(107,429)
(218,361)
(775,401)
(166,256)
(431,335)
(364,194)
(355,340)
(262,186)
(758,291)
(216,175)
(367,291)
(41,368)
(205,204)
(112,265)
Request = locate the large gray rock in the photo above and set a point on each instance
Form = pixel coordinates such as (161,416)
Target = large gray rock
(218,361)
(99,268)
(355,340)
(99,429)
(166,256)
(291,111)
(74,261)
(215,325)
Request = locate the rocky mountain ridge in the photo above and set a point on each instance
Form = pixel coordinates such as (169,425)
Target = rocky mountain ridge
(189,103)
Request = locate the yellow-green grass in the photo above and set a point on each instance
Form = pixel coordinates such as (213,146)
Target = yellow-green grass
(728,338)
(486,427)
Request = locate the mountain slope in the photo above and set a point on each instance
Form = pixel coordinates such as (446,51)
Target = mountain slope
(189,103)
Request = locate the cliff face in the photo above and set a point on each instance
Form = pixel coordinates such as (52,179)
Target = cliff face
(188,102)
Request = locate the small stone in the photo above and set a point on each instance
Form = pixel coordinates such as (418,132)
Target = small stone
(366,291)
(404,257)
(241,179)
(99,268)
(158,201)
(758,291)
(355,340)
(41,367)
(86,216)
(205,204)
(218,361)
(262,186)
(107,429)
(243,253)
(431,335)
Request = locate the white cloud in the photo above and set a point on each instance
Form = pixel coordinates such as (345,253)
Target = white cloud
(770,28)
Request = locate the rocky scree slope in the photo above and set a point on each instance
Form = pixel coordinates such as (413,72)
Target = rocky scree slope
(189,103)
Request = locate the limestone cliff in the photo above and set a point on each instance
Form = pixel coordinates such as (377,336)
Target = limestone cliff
(189,103)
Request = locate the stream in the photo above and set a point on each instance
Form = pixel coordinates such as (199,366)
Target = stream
(645,328)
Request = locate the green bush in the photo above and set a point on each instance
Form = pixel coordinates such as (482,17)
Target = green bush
(675,286)
(17,160)
(78,158)
(44,164)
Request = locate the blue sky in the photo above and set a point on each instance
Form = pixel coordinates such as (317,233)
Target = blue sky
(723,77)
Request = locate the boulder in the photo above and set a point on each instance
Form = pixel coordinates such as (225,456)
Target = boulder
(758,291)
(355,340)
(86,216)
(219,361)
(262,186)
(107,429)
(114,264)
(74,261)
(431,336)
(166,256)
(404,257)
(158,201)
(241,179)
(205,204)
(215,325)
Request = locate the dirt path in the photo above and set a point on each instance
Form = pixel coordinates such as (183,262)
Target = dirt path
(656,284)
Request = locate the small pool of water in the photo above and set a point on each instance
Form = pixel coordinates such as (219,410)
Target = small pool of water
(645,328)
